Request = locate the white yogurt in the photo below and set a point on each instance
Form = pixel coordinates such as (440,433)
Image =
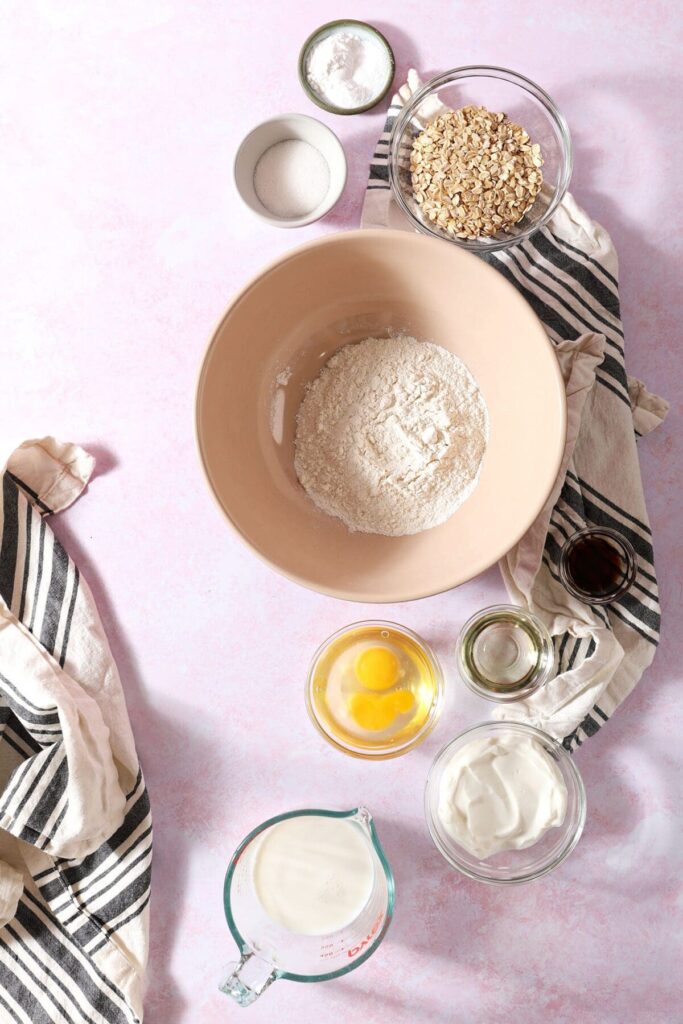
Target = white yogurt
(313,874)
(500,793)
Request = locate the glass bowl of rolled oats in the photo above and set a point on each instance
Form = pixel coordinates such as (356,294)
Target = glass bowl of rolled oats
(480,156)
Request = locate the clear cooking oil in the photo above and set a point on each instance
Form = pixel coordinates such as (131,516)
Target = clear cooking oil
(505,653)
(374,689)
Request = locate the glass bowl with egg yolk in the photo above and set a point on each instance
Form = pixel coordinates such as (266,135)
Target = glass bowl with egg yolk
(374,689)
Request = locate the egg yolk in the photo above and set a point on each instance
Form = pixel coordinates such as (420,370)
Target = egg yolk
(377,711)
(403,701)
(377,668)
(371,712)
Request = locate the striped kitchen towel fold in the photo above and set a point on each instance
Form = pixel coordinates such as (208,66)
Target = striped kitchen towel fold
(75,825)
(568,273)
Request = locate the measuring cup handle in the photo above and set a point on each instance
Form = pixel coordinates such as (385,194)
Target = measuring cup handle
(248,979)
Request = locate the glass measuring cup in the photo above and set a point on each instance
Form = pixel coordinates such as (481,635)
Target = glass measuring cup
(268,951)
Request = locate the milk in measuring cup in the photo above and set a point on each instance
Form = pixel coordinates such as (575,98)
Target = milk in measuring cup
(312,874)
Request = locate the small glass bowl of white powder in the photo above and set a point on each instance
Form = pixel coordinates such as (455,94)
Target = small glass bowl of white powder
(290,170)
(346,66)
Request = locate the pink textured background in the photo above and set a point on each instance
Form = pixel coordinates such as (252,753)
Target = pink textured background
(122,241)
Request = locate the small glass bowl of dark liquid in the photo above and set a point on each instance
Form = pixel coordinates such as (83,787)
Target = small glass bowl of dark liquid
(597,565)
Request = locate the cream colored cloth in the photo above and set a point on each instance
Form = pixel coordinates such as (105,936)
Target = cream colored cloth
(76,847)
(568,271)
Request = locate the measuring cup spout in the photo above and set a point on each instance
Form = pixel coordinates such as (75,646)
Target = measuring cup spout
(363,817)
(248,979)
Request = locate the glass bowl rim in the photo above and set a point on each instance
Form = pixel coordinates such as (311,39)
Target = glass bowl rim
(573,836)
(501,698)
(382,754)
(481,71)
(630,558)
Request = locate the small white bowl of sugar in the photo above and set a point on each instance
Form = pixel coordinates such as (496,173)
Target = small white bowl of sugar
(290,170)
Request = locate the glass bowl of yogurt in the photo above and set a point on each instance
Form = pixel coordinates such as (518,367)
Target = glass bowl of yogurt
(504,803)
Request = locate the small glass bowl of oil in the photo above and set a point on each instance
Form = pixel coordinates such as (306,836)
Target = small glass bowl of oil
(374,689)
(505,653)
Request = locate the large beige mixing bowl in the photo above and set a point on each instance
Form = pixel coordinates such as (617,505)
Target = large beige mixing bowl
(287,323)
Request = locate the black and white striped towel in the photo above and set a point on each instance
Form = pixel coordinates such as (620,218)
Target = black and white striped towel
(568,273)
(75,826)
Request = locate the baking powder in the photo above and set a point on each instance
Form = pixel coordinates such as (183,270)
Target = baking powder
(348,69)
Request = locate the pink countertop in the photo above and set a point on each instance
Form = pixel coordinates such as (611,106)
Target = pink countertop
(122,241)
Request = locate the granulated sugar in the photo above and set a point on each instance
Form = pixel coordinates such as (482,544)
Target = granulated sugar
(391,435)
(291,178)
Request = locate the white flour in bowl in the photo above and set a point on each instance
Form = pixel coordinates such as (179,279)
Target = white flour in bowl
(391,435)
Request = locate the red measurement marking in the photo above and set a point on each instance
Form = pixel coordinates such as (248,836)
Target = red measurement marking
(355,950)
